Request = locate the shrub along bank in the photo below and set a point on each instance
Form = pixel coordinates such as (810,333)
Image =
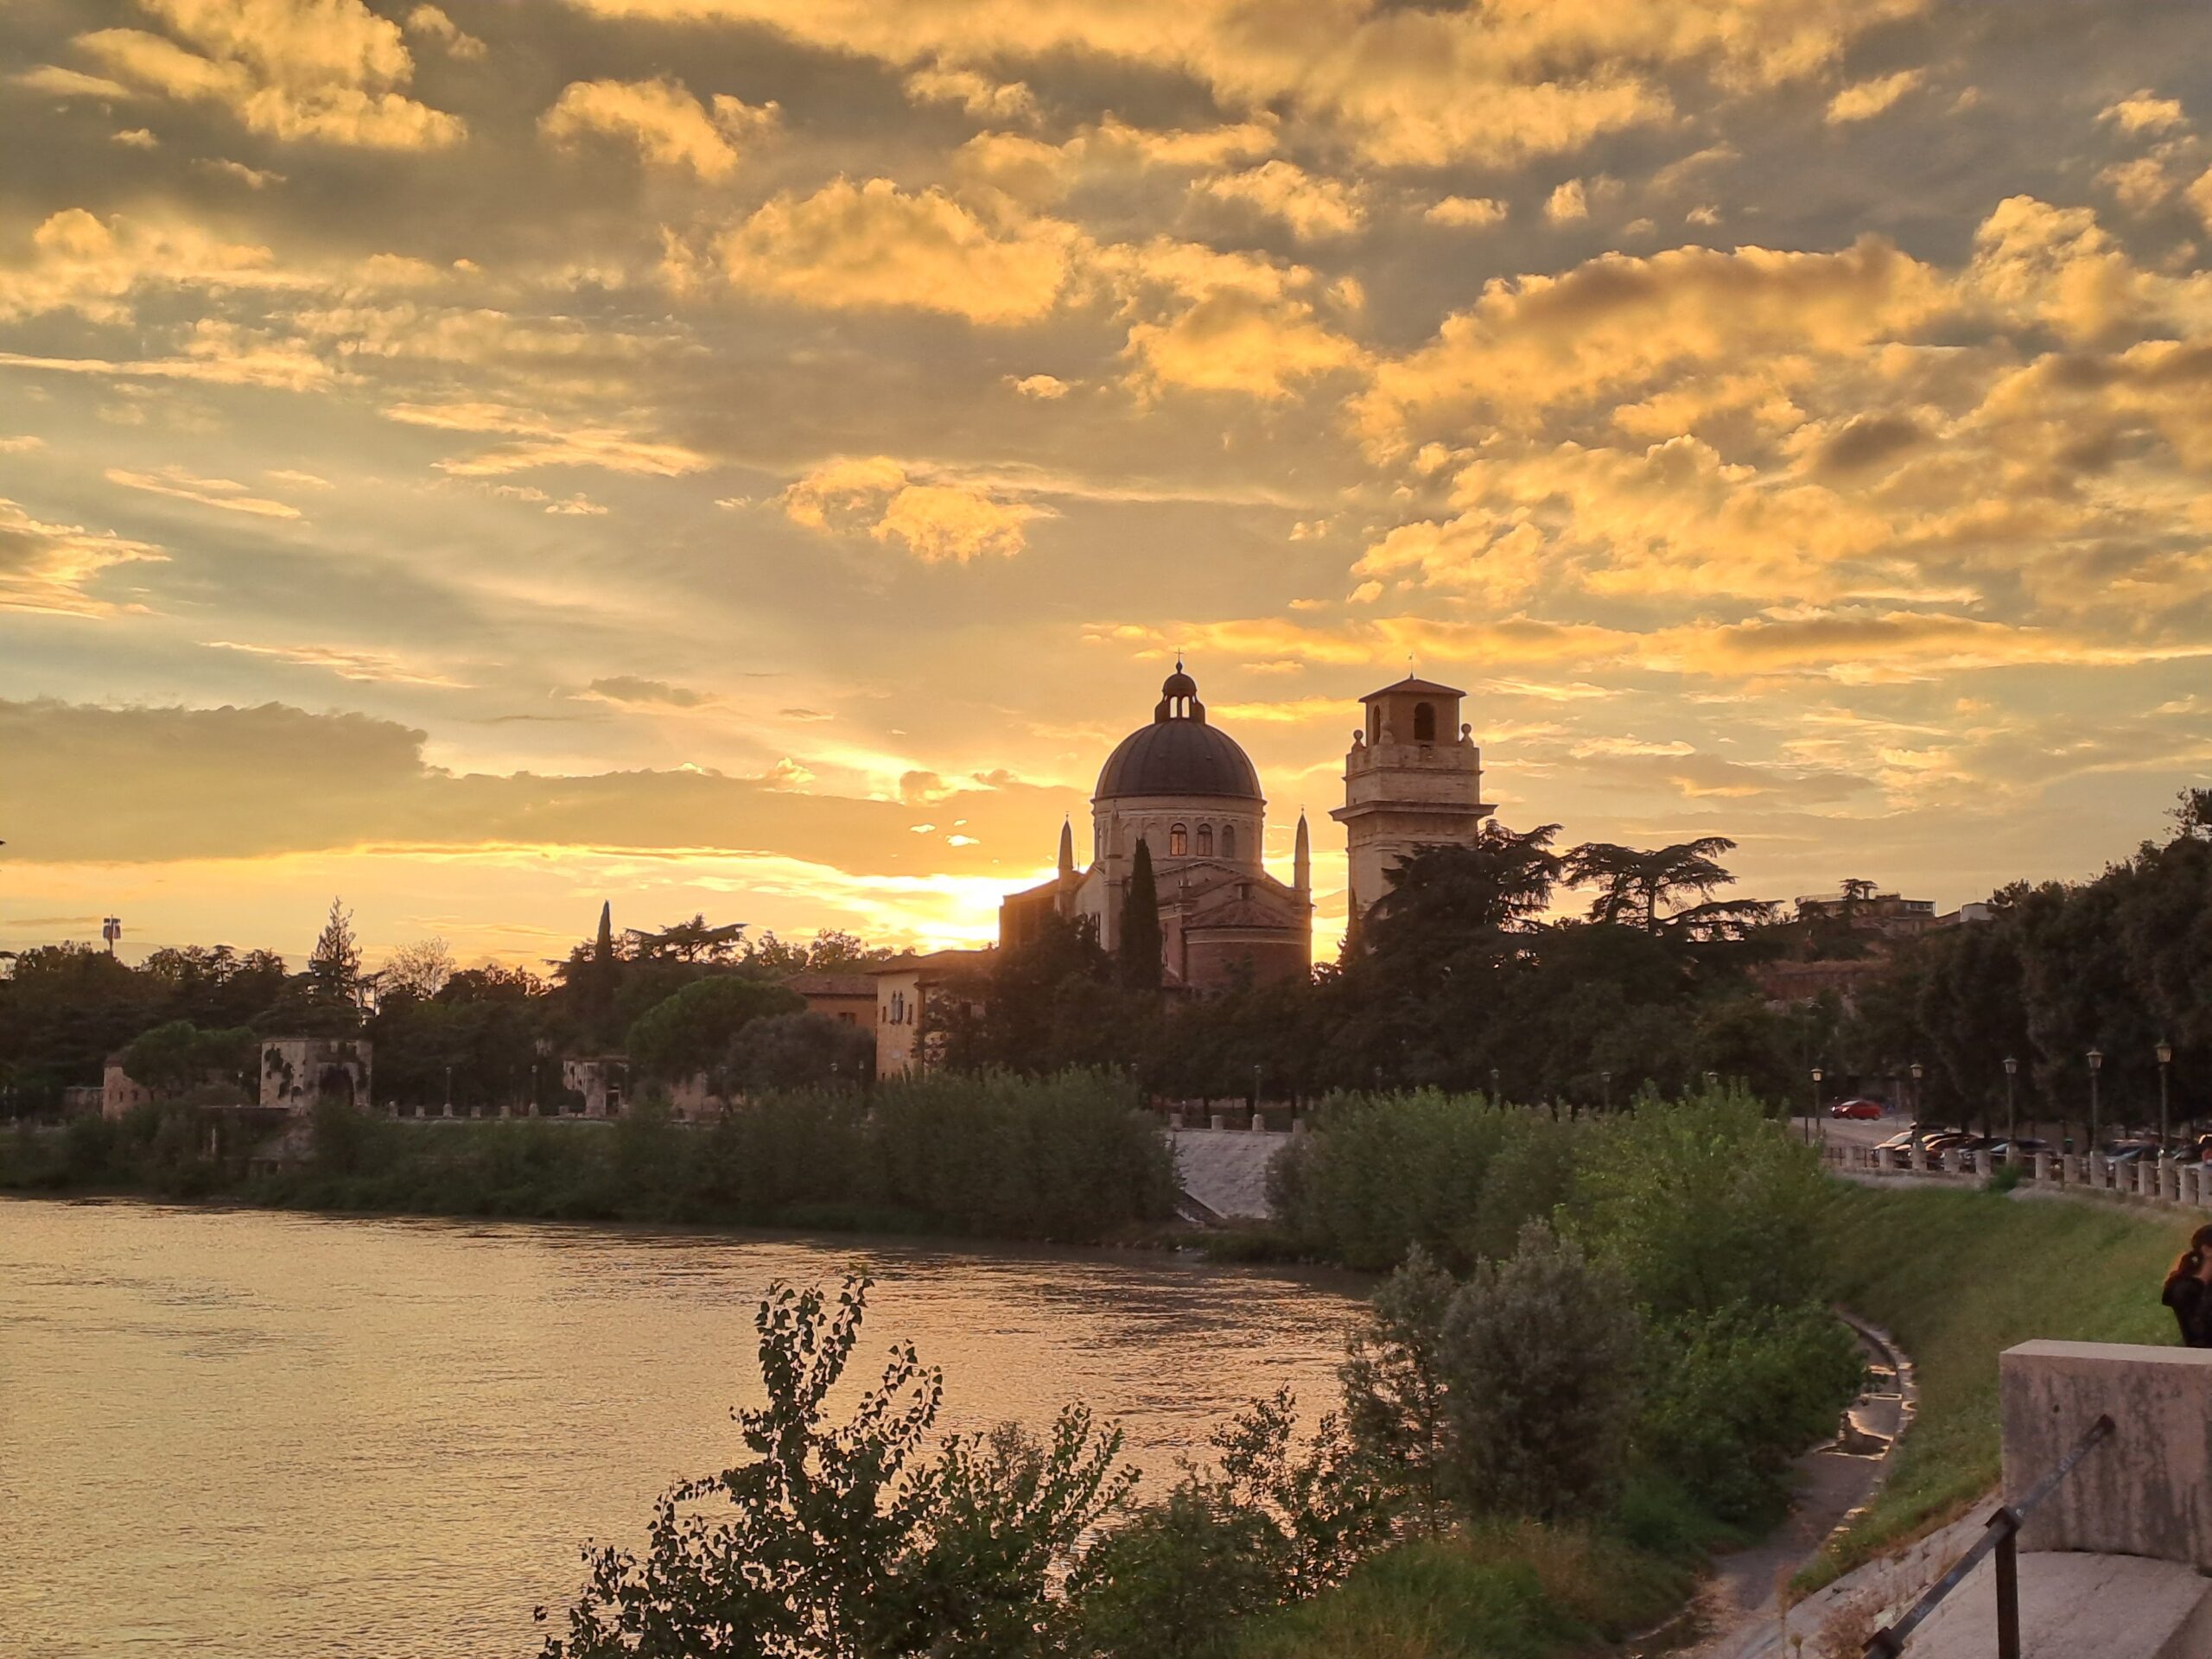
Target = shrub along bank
(1534,1450)
(1959,1277)
(1066,1157)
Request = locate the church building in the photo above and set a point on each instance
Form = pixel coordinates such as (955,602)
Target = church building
(1185,788)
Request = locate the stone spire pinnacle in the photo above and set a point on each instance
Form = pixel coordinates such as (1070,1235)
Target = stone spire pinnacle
(1067,847)
(1301,861)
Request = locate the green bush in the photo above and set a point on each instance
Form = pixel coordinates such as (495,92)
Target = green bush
(1382,1174)
(1732,1397)
(1539,1361)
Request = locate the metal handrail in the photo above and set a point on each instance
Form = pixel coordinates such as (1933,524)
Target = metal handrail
(2003,1537)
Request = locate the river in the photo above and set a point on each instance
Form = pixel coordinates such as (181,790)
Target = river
(239,1433)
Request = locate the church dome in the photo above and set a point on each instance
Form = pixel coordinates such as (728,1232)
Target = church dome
(1179,753)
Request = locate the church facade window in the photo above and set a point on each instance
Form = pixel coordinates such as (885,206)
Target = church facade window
(1179,841)
(1424,722)
(1206,841)
(1229,841)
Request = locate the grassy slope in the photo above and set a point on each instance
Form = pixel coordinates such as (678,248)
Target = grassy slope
(1516,1591)
(1958,1277)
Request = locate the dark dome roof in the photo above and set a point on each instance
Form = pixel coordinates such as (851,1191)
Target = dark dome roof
(1178,757)
(1179,753)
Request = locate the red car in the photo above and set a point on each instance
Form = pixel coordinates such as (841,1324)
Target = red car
(1856,1109)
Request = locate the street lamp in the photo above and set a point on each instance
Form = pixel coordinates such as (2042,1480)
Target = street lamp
(2011,1072)
(1493,1086)
(1917,1071)
(2097,1058)
(111,930)
(1817,1075)
(2166,1059)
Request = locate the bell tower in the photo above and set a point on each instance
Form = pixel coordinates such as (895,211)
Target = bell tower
(1413,779)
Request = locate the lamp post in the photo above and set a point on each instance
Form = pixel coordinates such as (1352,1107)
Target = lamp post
(2011,1071)
(2096,1111)
(1255,1089)
(1918,1126)
(2166,1059)
(449,1091)
(1493,1086)
(1817,1075)
(1605,1090)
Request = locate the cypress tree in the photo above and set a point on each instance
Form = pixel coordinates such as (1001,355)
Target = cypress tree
(599,996)
(1141,941)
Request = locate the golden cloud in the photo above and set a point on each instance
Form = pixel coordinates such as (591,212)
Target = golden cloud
(51,568)
(1533,342)
(330,71)
(1868,99)
(219,492)
(873,247)
(540,440)
(1406,85)
(1313,208)
(661,120)
(940,521)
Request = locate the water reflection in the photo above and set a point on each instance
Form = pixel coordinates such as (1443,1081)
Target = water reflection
(234,1433)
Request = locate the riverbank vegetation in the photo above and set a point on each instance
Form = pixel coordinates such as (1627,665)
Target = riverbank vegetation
(1544,1424)
(1958,1277)
(1066,1158)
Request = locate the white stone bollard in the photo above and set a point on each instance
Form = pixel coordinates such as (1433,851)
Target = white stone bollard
(1175,1120)
(1218,1120)
(2192,1182)
(2137,1176)
(1919,1158)
(2099,1170)
(2046,1165)
(1298,1126)
(1259,1121)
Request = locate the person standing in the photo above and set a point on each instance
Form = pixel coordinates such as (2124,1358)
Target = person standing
(2188,1290)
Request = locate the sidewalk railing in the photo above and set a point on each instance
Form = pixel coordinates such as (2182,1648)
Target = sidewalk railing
(2002,1538)
(2151,1180)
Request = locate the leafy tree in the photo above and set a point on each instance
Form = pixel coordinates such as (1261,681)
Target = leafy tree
(1634,883)
(1395,1404)
(1444,897)
(804,1050)
(419,970)
(691,1032)
(696,940)
(335,967)
(831,951)
(1142,949)
(839,1541)
(1538,1354)
(1265,1527)
(1698,1205)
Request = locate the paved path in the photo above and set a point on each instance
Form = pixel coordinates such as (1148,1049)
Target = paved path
(1739,1613)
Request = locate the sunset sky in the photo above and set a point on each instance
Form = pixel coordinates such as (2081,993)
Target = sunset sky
(757,457)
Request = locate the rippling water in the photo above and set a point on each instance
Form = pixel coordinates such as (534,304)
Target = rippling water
(245,1434)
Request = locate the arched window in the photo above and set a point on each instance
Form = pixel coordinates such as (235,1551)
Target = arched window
(1374,723)
(1206,841)
(1424,722)
(1179,841)
(1229,841)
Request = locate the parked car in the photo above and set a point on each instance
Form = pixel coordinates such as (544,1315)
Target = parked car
(2025,1146)
(2130,1152)
(1864,1109)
